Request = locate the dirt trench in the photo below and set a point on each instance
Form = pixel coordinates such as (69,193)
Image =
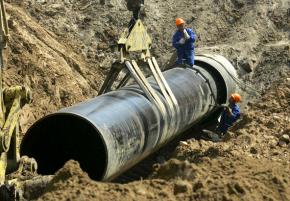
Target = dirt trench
(63,49)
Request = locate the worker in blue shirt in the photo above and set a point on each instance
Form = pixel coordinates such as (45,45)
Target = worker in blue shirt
(230,114)
(183,40)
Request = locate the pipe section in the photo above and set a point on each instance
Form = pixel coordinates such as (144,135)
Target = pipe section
(112,132)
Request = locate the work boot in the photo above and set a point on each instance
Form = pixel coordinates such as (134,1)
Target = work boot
(210,135)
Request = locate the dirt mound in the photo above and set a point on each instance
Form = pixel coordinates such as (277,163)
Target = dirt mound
(224,179)
(70,183)
(57,76)
(232,178)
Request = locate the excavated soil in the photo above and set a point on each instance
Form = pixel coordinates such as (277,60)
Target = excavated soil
(62,50)
(214,179)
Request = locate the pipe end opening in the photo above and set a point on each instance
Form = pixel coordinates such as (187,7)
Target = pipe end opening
(58,138)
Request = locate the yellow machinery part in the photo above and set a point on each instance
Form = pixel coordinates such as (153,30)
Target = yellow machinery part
(134,40)
(11,101)
(14,98)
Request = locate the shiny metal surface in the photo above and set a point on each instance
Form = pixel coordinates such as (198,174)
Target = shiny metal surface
(112,132)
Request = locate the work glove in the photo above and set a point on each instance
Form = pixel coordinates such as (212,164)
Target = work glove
(186,35)
(226,108)
(223,105)
(142,11)
(181,41)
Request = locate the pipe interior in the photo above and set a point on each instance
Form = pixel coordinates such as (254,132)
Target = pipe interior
(219,81)
(61,137)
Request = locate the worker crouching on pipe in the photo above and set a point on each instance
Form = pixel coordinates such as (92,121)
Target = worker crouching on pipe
(183,41)
(230,114)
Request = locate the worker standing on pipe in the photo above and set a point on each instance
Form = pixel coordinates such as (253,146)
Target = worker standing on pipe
(183,41)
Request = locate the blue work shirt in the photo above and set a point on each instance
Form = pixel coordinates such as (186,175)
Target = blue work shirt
(184,51)
(228,120)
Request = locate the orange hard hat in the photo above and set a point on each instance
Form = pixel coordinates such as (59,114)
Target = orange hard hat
(236,97)
(179,21)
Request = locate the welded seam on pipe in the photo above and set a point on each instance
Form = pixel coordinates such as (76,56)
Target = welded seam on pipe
(207,82)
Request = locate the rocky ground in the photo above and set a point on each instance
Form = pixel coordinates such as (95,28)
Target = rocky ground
(62,50)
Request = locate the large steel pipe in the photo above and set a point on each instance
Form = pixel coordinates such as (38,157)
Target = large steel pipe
(112,132)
